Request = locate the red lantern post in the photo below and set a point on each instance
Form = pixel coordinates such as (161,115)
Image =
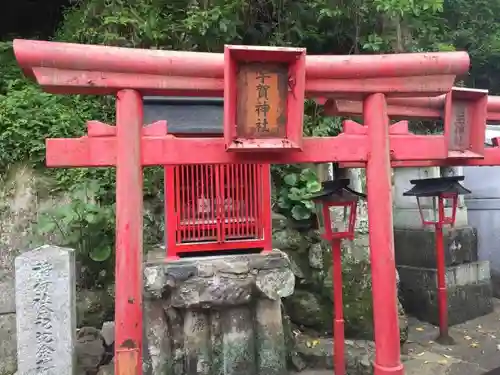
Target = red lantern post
(440,191)
(336,212)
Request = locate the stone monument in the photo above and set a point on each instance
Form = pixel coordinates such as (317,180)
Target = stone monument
(45,306)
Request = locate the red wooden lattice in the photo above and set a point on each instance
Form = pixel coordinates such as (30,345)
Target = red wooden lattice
(217,207)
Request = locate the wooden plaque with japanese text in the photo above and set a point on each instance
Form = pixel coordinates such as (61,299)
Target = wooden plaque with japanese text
(460,126)
(262,90)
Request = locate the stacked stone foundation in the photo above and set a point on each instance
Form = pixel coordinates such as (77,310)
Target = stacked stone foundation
(216,315)
(468,286)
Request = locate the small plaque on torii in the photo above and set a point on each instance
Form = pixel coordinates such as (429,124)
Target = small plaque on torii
(263,98)
(465,122)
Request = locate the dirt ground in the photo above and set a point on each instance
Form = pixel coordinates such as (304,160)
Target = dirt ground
(476,350)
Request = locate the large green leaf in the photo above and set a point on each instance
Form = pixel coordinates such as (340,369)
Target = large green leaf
(46,224)
(100,254)
(291,179)
(313,186)
(299,212)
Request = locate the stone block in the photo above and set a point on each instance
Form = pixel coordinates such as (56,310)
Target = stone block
(45,306)
(401,183)
(409,218)
(417,248)
(8,362)
(216,315)
(469,292)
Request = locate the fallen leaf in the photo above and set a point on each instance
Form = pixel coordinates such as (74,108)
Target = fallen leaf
(446,355)
(442,361)
(426,362)
(419,329)
(420,354)
(474,345)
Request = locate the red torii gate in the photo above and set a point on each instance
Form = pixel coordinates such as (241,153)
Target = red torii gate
(130,73)
(425,108)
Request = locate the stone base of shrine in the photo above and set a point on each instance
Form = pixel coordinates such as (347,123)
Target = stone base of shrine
(216,315)
(469,292)
(417,247)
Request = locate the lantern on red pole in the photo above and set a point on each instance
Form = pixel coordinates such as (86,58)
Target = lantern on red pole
(443,194)
(336,207)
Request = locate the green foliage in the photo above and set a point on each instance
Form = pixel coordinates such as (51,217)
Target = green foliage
(86,225)
(294,184)
(28,116)
(298,185)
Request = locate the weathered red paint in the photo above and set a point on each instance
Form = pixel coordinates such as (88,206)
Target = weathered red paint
(383,266)
(127,362)
(491,157)
(129,211)
(429,108)
(441,220)
(72,68)
(291,103)
(81,152)
(441,284)
(217,207)
(338,305)
(335,239)
(69,56)
(108,83)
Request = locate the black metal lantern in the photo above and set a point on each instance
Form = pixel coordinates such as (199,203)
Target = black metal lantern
(443,192)
(336,206)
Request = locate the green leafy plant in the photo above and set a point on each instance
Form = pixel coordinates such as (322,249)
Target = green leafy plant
(85,225)
(294,184)
(297,186)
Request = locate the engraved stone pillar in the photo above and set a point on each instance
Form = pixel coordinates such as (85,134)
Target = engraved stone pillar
(45,306)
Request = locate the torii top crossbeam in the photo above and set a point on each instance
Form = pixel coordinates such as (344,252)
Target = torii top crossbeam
(104,70)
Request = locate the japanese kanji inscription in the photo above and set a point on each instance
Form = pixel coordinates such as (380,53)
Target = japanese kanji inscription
(262,100)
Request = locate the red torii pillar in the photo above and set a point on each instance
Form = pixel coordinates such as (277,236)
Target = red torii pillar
(69,68)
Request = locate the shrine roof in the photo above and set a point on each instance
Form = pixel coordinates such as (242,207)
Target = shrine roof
(186,115)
